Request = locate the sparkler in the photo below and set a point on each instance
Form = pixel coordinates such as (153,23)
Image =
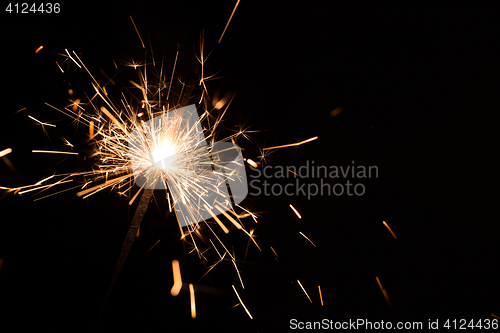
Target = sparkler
(171,154)
(110,118)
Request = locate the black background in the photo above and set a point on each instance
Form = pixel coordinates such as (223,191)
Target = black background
(419,86)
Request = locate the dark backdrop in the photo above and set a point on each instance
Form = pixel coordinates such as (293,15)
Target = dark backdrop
(419,89)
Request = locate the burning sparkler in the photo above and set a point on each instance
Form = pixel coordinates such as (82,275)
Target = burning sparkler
(165,147)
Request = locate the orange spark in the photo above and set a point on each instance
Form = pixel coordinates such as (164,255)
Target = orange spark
(300,284)
(277,257)
(223,101)
(223,227)
(237,225)
(72,58)
(54,152)
(252,163)
(91,129)
(137,32)
(193,304)
(153,245)
(292,144)
(307,238)
(45,179)
(495,316)
(38,49)
(230,17)
(176,288)
(41,123)
(5,152)
(320,296)
(134,197)
(336,111)
(59,67)
(295,211)
(393,234)
(241,302)
(103,186)
(75,105)
(384,292)
(113,119)
(239,276)
(46,186)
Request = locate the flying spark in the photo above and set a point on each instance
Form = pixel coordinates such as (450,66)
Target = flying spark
(176,288)
(307,239)
(292,144)
(305,292)
(393,234)
(193,303)
(5,152)
(241,302)
(295,211)
(384,292)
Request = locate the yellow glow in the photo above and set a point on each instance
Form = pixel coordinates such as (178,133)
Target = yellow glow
(193,303)
(5,152)
(295,211)
(160,154)
(176,288)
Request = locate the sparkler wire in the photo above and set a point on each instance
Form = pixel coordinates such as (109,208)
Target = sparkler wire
(138,216)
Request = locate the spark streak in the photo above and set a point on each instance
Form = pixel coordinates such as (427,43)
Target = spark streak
(393,234)
(384,292)
(54,152)
(91,130)
(307,238)
(69,55)
(320,296)
(305,292)
(176,288)
(236,224)
(252,163)
(292,144)
(193,304)
(153,245)
(227,24)
(277,257)
(223,227)
(137,32)
(241,302)
(295,211)
(41,123)
(5,152)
